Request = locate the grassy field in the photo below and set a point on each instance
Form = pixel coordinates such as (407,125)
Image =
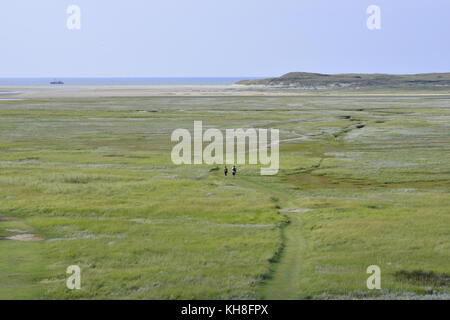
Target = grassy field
(91,183)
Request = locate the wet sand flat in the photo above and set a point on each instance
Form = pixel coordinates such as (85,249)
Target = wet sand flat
(142,91)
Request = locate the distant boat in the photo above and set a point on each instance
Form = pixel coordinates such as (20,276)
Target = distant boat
(56,82)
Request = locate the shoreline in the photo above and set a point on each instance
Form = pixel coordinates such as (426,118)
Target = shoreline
(150,91)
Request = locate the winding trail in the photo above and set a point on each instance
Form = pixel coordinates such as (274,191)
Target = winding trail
(284,282)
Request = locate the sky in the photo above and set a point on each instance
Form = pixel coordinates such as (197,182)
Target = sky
(228,38)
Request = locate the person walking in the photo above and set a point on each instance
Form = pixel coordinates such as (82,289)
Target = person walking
(234,170)
(225,171)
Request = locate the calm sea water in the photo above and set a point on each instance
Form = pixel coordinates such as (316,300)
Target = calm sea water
(121,81)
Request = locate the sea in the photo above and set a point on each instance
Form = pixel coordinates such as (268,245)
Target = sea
(121,81)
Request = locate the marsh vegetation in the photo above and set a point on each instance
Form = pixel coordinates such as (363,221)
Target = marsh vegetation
(92,180)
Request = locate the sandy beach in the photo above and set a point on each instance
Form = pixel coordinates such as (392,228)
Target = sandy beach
(12,93)
(133,91)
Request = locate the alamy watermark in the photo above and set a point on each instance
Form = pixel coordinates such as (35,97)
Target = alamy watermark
(74,19)
(374,20)
(74,280)
(229,148)
(374,281)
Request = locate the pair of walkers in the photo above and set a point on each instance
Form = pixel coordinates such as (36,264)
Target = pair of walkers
(233,171)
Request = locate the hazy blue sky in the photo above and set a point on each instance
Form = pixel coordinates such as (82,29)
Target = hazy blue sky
(170,38)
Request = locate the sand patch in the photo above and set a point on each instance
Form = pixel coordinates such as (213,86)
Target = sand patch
(2,219)
(28,237)
(16,230)
(23,235)
(298,210)
(243,225)
(85,235)
(142,221)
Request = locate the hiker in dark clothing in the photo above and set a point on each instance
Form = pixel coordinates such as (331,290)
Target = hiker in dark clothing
(234,170)
(225,171)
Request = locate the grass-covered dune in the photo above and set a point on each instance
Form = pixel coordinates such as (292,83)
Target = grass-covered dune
(356,81)
(363,181)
